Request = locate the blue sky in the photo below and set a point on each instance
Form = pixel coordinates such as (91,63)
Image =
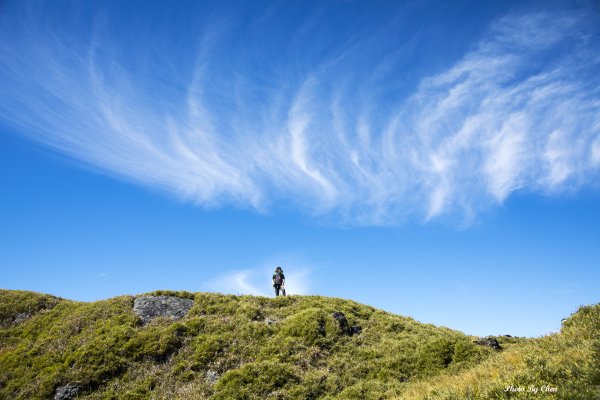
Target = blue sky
(440,161)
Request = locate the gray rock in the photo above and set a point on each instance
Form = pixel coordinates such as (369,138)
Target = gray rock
(150,307)
(489,342)
(344,326)
(21,317)
(67,392)
(211,376)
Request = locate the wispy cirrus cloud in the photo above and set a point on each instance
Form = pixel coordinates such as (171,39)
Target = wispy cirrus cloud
(339,137)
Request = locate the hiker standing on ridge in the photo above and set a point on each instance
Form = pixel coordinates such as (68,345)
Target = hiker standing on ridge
(279,281)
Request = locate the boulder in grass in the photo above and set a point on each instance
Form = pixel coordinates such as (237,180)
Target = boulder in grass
(67,392)
(21,317)
(344,326)
(489,342)
(150,307)
(211,376)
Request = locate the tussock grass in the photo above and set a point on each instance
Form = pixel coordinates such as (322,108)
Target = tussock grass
(564,365)
(246,347)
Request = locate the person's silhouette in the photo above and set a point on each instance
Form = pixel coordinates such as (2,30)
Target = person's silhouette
(279,281)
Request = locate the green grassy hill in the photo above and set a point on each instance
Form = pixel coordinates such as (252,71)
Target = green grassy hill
(245,347)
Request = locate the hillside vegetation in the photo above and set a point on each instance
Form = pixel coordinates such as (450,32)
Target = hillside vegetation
(246,347)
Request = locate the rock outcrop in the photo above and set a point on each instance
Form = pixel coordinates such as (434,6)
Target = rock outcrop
(67,392)
(21,317)
(150,307)
(489,342)
(211,376)
(344,326)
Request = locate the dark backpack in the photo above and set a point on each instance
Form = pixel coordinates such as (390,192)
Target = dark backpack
(278,279)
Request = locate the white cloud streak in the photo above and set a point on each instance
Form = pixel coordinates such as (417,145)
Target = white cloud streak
(257,281)
(519,112)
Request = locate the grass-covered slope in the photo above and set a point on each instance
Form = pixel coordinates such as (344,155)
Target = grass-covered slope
(244,347)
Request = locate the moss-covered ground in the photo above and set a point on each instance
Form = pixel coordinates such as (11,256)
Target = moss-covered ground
(246,347)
